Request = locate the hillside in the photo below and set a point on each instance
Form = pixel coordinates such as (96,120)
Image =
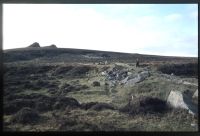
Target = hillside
(78,55)
(62,89)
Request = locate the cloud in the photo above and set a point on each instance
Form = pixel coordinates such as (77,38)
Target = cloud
(194,15)
(173,17)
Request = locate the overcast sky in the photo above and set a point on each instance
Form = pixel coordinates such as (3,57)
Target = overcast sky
(160,29)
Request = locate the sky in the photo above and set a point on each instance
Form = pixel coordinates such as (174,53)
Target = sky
(158,29)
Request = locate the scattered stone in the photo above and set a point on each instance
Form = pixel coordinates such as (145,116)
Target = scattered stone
(179,81)
(117,73)
(106,62)
(188,83)
(113,84)
(129,73)
(103,73)
(131,80)
(193,125)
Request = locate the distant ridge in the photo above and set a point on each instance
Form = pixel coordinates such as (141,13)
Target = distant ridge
(37,45)
(53,54)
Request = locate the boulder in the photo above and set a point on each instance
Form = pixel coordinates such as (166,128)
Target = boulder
(183,101)
(195,97)
(129,73)
(125,80)
(144,74)
(121,75)
(195,94)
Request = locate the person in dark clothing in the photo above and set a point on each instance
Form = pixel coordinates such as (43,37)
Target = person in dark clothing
(137,62)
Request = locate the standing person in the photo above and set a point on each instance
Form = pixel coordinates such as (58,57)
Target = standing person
(137,62)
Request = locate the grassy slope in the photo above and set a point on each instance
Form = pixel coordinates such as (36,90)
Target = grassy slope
(87,120)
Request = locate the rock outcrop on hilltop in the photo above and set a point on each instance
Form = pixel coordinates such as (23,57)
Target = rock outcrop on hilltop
(51,46)
(34,45)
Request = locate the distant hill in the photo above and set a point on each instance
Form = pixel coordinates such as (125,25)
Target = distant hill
(53,54)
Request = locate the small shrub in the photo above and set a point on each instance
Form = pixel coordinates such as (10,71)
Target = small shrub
(25,115)
(68,87)
(43,107)
(62,70)
(145,105)
(15,105)
(63,102)
(102,106)
(189,69)
(78,71)
(88,105)
(96,83)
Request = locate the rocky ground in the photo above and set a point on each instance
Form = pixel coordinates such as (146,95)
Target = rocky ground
(110,96)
